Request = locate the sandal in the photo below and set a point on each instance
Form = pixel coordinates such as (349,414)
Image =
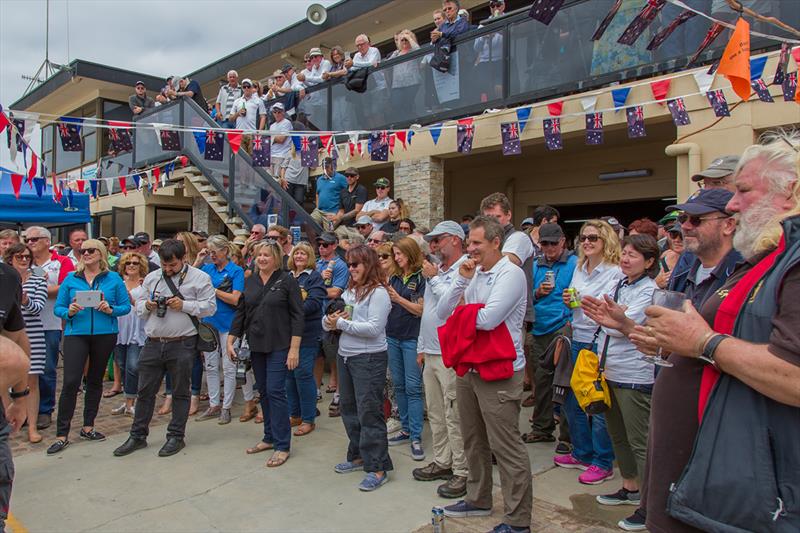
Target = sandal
(204,397)
(330,389)
(259,419)
(277,459)
(260,447)
(530,438)
(295,421)
(304,429)
(110,393)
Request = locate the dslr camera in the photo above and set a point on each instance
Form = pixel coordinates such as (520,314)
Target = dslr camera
(161,306)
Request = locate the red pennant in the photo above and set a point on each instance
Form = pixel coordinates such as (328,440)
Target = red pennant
(16,182)
(555,108)
(156,173)
(56,188)
(123,184)
(660,89)
(325,142)
(795,55)
(34,166)
(4,122)
(401,136)
(235,139)
(184,161)
(391,143)
(81,185)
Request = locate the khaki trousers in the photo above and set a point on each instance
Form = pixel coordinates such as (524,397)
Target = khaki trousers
(489,413)
(440,397)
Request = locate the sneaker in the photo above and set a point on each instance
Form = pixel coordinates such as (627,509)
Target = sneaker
(462,509)
(333,409)
(393,425)
(563,448)
(372,482)
(209,414)
(130,411)
(622,497)
(319,395)
(431,472)
(417,453)
(92,435)
(569,461)
(57,446)
(224,417)
(400,438)
(595,475)
(635,522)
(118,410)
(347,467)
(455,487)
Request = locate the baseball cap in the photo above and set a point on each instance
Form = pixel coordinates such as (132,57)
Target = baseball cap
(328,237)
(247,80)
(550,233)
(381,182)
(140,82)
(705,201)
(351,171)
(719,168)
(315,52)
(287,67)
(277,105)
(446,227)
(363,220)
(201,234)
(527,222)
(674,226)
(131,239)
(157,242)
(669,217)
(142,237)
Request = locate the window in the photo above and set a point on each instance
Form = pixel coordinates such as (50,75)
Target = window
(168,222)
(113,111)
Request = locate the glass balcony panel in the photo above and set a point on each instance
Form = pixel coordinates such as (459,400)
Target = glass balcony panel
(147,145)
(315,107)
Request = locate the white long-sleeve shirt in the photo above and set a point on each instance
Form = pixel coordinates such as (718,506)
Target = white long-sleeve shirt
(371,58)
(365,331)
(502,291)
(601,281)
(435,290)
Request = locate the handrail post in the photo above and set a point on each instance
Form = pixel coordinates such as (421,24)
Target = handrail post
(231,179)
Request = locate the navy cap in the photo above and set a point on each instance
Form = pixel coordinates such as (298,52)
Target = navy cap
(705,201)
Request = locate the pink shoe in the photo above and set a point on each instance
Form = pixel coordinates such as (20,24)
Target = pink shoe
(568,461)
(595,475)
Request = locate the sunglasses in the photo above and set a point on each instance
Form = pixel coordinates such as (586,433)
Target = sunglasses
(384,256)
(550,243)
(590,238)
(325,244)
(375,241)
(695,220)
(675,234)
(353,265)
(29,240)
(246,85)
(88,251)
(127,247)
(131,263)
(22,257)
(382,187)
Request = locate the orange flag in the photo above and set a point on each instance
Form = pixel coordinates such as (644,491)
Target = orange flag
(735,62)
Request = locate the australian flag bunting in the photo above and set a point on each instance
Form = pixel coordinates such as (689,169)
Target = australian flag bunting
(545,10)
(552,133)
(120,139)
(19,125)
(215,144)
(642,21)
(69,130)
(594,128)
(677,108)
(783,65)
(789,86)
(465,132)
(170,140)
(309,151)
(659,38)
(718,103)
(379,145)
(635,115)
(601,29)
(262,150)
(509,131)
(761,89)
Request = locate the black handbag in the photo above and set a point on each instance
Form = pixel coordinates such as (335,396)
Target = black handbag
(356,79)
(207,336)
(441,56)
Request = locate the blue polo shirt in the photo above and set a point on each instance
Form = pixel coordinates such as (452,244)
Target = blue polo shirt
(223,318)
(328,190)
(401,324)
(341,275)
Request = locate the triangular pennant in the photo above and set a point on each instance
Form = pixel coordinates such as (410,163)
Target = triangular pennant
(757,65)
(137,180)
(703,80)
(588,103)
(391,143)
(555,108)
(296,142)
(401,136)
(39,184)
(735,62)
(34,167)
(4,122)
(156,175)
(123,184)
(523,115)
(56,188)
(200,139)
(16,183)
(796,55)
(436,131)
(234,139)
(411,133)
(93,185)
(325,142)
(620,96)
(660,89)
(81,184)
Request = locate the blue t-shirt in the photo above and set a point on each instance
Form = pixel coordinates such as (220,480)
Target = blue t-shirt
(341,275)
(401,324)
(551,313)
(328,190)
(223,318)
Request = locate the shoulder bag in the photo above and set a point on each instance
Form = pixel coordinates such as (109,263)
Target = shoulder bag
(356,79)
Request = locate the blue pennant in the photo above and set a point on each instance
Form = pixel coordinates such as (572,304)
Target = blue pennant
(298,147)
(136,180)
(620,96)
(200,138)
(757,67)
(523,114)
(436,131)
(38,183)
(93,185)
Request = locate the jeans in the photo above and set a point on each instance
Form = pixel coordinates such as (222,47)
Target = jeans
(6,474)
(361,379)
(270,371)
(127,358)
(407,379)
(590,441)
(301,389)
(197,377)
(47,381)
(77,350)
(298,192)
(176,359)
(212,364)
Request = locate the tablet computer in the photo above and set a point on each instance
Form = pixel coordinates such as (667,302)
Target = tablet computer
(88,298)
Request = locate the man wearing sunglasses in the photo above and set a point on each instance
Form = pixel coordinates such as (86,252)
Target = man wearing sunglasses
(377,209)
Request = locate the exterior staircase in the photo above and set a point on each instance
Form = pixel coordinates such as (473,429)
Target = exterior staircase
(216,201)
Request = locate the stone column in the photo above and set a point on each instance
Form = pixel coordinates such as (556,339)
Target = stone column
(420,183)
(204,218)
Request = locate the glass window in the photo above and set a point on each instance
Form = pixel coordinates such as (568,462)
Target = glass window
(171,221)
(66,160)
(90,147)
(47,138)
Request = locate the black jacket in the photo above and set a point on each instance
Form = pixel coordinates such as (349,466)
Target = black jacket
(269,315)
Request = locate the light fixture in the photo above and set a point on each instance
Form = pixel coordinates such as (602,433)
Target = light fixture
(624,174)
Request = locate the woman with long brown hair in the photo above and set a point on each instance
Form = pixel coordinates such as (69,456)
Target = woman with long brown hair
(362,362)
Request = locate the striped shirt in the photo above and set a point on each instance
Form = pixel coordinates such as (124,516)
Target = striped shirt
(36,290)
(227,95)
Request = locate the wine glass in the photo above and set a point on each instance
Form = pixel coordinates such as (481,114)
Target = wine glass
(671,300)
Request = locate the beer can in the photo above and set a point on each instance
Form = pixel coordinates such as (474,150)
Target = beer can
(574,298)
(349,310)
(550,277)
(437,520)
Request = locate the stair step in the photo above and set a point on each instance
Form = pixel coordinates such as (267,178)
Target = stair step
(241,232)
(222,209)
(208,189)
(197,179)
(235,220)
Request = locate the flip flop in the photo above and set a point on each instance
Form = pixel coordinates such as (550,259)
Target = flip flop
(330,390)
(258,448)
(277,460)
(110,393)
(304,429)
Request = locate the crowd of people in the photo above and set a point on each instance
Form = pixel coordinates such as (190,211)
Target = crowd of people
(415,322)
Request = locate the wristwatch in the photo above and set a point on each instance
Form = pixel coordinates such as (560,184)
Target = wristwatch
(17,395)
(711,347)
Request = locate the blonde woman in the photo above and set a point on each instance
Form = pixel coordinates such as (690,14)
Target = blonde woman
(596,274)
(406,77)
(89,333)
(386,260)
(192,246)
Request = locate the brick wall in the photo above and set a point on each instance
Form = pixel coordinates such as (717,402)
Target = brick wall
(420,183)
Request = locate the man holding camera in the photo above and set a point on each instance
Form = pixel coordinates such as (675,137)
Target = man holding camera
(171,342)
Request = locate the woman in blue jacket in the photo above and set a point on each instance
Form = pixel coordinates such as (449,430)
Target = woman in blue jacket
(88,333)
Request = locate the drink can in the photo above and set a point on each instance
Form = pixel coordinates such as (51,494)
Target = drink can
(550,277)
(296,236)
(272,220)
(349,310)
(437,520)
(574,298)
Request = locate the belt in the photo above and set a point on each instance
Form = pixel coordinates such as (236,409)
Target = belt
(165,340)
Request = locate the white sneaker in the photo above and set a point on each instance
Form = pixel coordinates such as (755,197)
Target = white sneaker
(119,410)
(393,425)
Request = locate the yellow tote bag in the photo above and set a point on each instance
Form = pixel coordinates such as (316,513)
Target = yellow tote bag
(588,382)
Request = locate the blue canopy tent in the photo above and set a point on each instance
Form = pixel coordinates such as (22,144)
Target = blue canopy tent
(30,208)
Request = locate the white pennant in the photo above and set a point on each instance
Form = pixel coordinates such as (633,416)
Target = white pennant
(588,103)
(703,80)
(345,152)
(157,127)
(362,148)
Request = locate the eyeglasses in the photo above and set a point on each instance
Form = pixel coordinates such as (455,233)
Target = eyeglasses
(246,85)
(675,234)
(375,241)
(695,220)
(382,187)
(590,238)
(88,251)
(127,247)
(384,256)
(29,240)
(131,263)
(353,265)
(22,257)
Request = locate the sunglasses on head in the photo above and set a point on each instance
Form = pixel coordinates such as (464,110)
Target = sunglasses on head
(88,251)
(590,238)
(696,220)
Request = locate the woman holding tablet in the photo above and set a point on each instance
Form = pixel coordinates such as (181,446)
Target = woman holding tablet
(89,300)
